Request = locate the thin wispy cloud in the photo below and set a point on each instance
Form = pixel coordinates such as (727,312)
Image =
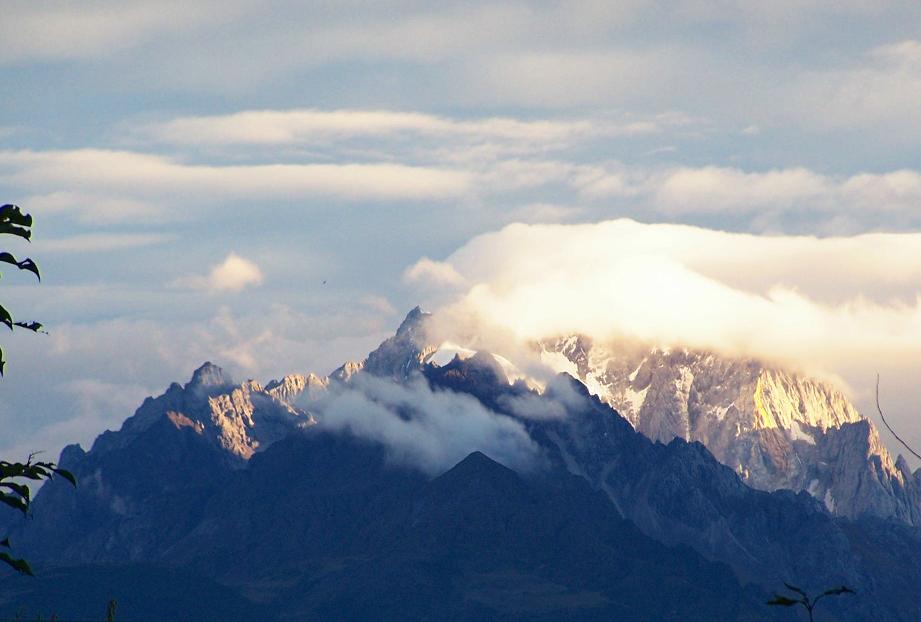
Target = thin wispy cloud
(880,89)
(98,243)
(287,127)
(131,173)
(95,30)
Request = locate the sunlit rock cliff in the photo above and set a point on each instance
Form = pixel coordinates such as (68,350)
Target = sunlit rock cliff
(777,429)
(239,419)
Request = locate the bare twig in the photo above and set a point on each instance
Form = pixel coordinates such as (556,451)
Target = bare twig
(889,427)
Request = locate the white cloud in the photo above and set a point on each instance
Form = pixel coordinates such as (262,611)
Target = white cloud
(713,189)
(234,274)
(94,29)
(433,272)
(572,77)
(132,174)
(103,187)
(717,189)
(231,275)
(899,190)
(304,126)
(882,89)
(95,209)
(430,429)
(544,213)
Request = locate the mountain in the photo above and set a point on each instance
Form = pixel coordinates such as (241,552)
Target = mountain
(325,527)
(680,494)
(243,493)
(777,429)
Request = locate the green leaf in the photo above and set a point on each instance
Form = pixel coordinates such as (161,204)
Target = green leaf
(14,502)
(25,264)
(6,227)
(12,214)
(783,601)
(66,475)
(19,565)
(35,327)
(36,472)
(14,222)
(20,489)
(838,590)
(6,318)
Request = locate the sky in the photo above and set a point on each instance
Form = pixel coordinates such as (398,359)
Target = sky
(272,185)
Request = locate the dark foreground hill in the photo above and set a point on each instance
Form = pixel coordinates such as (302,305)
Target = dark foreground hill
(321,527)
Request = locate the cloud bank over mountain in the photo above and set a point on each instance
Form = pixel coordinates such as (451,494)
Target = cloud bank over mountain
(845,306)
(427,428)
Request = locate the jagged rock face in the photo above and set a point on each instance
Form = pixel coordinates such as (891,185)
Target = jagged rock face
(293,387)
(778,430)
(239,419)
(405,352)
(345,371)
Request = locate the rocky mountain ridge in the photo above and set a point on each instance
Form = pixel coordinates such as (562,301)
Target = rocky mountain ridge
(777,429)
(240,419)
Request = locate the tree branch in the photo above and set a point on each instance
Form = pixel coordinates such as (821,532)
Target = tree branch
(889,427)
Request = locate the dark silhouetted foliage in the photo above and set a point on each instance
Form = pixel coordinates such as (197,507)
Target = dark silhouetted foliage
(14,476)
(804,600)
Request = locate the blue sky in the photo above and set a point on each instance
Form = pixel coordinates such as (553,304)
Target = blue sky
(199,169)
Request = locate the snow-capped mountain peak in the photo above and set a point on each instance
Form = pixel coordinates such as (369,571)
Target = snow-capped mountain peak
(776,428)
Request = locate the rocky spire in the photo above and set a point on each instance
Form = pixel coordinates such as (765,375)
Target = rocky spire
(209,376)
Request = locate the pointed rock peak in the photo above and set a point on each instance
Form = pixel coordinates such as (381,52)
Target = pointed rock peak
(347,370)
(209,375)
(413,320)
(477,457)
(70,456)
(902,465)
(479,463)
(482,366)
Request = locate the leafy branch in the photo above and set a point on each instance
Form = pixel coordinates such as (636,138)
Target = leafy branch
(17,495)
(15,476)
(804,600)
(14,222)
